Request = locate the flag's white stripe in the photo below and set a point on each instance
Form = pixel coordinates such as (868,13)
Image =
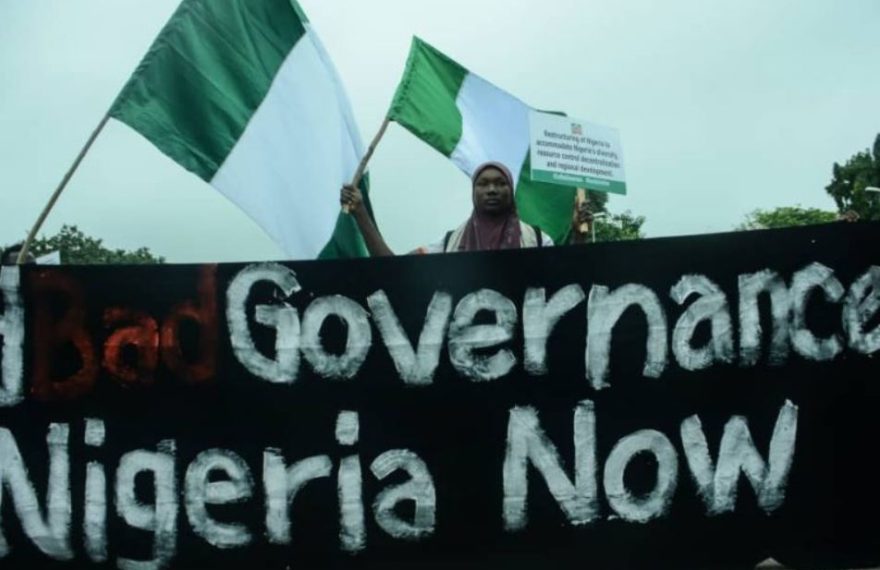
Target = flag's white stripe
(354,150)
(298,149)
(495,126)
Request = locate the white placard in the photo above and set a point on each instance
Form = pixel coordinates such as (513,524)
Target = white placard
(571,152)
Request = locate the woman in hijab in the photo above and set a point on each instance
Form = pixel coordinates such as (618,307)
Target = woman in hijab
(493,224)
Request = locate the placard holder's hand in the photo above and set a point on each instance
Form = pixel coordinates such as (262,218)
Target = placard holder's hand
(581,217)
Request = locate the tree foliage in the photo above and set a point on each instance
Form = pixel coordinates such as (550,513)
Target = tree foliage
(850,180)
(79,249)
(619,227)
(785,217)
(598,201)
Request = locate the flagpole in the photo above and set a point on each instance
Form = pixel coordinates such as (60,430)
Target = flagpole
(580,200)
(362,167)
(82,153)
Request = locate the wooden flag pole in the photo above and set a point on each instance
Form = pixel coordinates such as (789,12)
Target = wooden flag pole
(580,199)
(362,167)
(22,255)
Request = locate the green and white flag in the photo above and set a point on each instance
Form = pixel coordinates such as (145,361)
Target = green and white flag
(243,94)
(472,121)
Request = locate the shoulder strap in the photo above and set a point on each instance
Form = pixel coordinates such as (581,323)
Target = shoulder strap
(539,236)
(446,240)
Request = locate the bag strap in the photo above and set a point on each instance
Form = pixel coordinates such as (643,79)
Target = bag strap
(446,240)
(538,235)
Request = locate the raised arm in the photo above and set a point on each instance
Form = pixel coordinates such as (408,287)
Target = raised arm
(351,196)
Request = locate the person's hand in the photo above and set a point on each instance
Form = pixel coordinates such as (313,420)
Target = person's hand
(351,198)
(580,216)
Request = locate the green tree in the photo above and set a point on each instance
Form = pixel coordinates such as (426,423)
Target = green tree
(619,227)
(851,179)
(786,216)
(79,249)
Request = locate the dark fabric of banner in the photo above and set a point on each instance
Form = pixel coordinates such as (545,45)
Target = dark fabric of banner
(121,359)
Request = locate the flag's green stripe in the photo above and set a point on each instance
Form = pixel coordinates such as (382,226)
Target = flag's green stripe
(425,99)
(347,241)
(205,75)
(299,11)
(548,206)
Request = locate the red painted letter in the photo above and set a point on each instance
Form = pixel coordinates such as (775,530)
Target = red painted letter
(202,367)
(52,334)
(142,334)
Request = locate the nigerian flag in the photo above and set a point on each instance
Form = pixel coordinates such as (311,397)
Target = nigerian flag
(243,94)
(471,121)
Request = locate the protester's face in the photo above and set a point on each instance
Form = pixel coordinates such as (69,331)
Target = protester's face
(492,192)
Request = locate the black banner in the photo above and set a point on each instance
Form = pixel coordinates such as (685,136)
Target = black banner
(700,402)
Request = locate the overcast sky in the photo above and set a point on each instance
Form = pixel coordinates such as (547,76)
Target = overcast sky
(723,107)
